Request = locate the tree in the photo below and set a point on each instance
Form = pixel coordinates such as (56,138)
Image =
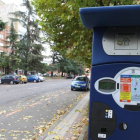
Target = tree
(64,30)
(11,43)
(30,46)
(43,68)
(55,56)
(4,61)
(2,25)
(72,67)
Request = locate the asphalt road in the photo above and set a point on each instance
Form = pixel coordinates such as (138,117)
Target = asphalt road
(25,108)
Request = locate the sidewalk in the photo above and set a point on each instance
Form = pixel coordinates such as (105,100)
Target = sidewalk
(70,127)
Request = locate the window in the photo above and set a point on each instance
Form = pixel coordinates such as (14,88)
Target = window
(1,36)
(1,44)
(80,79)
(8,31)
(3,77)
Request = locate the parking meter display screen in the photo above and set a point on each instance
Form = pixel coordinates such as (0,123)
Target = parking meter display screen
(107,85)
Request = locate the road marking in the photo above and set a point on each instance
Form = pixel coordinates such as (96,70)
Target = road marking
(56,95)
(47,99)
(34,104)
(13,113)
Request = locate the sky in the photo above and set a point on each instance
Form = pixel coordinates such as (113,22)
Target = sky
(17,2)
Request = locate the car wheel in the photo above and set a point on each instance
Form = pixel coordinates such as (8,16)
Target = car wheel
(11,82)
(34,81)
(25,82)
(71,88)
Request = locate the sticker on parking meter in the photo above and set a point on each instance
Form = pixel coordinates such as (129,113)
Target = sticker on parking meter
(135,87)
(129,88)
(125,88)
(101,135)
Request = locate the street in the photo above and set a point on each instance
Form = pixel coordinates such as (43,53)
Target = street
(26,108)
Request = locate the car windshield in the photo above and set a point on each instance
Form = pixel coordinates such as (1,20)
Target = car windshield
(80,79)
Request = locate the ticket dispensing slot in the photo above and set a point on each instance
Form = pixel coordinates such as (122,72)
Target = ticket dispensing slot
(132,107)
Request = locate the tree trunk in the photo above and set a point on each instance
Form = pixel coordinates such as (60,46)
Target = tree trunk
(108,2)
(25,72)
(100,2)
(62,74)
(115,3)
(51,73)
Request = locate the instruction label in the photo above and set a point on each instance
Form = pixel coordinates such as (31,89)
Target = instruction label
(135,87)
(129,88)
(125,88)
(101,135)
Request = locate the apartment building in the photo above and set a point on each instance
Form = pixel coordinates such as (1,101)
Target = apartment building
(5,10)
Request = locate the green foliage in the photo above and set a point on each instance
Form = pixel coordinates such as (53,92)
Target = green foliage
(4,60)
(43,68)
(2,25)
(64,65)
(70,67)
(64,30)
(29,46)
(11,43)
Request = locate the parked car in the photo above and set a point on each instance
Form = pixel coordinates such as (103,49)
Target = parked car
(45,74)
(69,76)
(9,79)
(89,78)
(80,82)
(33,78)
(22,78)
(41,78)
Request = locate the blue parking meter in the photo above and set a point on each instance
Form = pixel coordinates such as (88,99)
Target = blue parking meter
(114,112)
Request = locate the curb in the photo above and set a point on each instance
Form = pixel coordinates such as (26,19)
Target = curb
(65,122)
(83,132)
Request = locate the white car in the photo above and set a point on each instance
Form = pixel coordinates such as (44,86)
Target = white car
(41,78)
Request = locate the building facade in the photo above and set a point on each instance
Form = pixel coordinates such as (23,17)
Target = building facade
(5,10)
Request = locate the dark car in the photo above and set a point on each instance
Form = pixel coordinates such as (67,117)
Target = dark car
(9,79)
(69,77)
(80,82)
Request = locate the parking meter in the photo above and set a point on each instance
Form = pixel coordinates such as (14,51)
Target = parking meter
(114,112)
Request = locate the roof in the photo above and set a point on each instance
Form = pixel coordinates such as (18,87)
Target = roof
(107,16)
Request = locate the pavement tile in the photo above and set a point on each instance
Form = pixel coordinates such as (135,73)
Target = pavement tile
(67,122)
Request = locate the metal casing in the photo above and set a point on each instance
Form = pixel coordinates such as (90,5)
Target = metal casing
(109,57)
(122,41)
(109,16)
(129,117)
(99,56)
